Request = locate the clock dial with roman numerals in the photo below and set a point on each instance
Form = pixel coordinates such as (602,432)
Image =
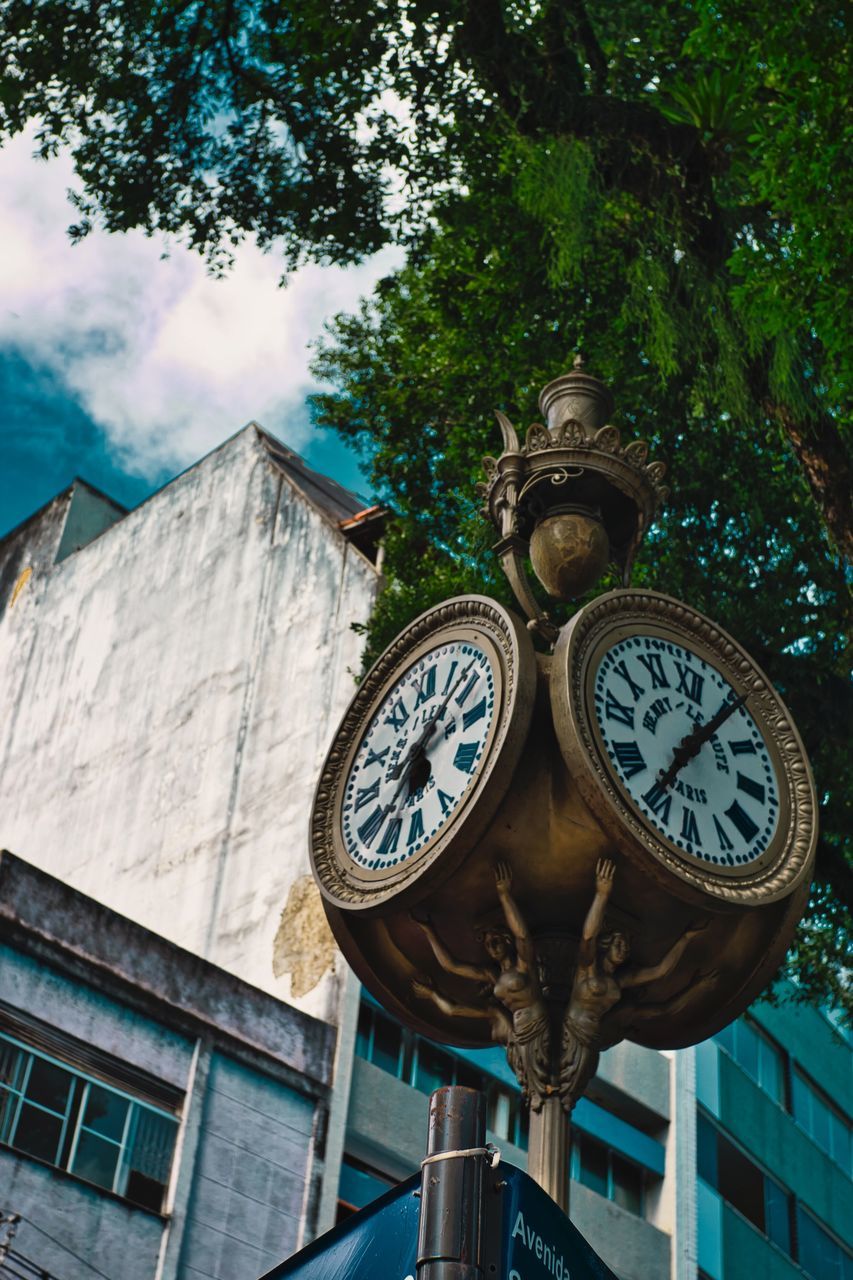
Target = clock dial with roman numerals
(682,748)
(424,755)
(420,754)
(721,805)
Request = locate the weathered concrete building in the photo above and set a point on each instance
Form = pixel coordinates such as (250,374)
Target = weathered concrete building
(169,681)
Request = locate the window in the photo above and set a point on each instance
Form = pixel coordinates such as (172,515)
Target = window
(608,1174)
(425,1065)
(768,1205)
(742,1184)
(359,1184)
(768,1065)
(820,1256)
(84,1125)
(824,1124)
(759,1056)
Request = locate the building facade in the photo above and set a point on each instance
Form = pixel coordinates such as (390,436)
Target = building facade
(170,679)
(159,1117)
(775,1196)
(169,682)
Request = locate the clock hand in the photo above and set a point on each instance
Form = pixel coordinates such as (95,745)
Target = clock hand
(403,775)
(407,762)
(690,744)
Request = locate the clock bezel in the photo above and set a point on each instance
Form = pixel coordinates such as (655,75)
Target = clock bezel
(581,645)
(479,620)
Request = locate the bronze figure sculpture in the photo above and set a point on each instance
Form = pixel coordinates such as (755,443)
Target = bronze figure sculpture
(516,1008)
(597,1013)
(598,991)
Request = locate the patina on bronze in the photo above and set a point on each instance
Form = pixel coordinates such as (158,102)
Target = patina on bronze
(631,846)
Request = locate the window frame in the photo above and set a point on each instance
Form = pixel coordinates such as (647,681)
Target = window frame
(792,1072)
(728,1039)
(802,1210)
(610,1154)
(838,1117)
(78,1096)
(407,1070)
(795,1206)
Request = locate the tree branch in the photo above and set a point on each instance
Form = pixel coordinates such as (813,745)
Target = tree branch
(826,464)
(636,145)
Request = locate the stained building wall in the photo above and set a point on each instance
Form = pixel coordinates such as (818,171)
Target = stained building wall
(168,693)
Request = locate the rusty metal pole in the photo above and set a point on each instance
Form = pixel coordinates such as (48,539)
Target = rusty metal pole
(549,1149)
(453,1190)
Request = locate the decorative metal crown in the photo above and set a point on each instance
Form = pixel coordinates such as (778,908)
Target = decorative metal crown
(575,463)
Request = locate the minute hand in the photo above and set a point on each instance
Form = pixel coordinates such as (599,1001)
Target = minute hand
(690,745)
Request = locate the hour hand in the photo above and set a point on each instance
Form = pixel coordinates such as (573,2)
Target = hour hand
(691,743)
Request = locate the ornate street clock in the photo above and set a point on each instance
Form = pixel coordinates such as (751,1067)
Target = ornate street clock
(425,753)
(609,836)
(682,748)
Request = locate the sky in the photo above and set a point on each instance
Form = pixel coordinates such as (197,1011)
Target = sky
(123,366)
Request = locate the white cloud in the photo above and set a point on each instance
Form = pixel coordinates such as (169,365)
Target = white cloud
(167,360)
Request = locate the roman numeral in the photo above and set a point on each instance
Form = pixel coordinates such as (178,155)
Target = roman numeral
(474,714)
(445,801)
(398,715)
(725,842)
(463,693)
(689,683)
(689,829)
(370,828)
(448,684)
(390,838)
(750,787)
(615,711)
(742,821)
(659,801)
(364,795)
(426,688)
(653,663)
(621,669)
(629,757)
(376,757)
(416,827)
(466,754)
(746,747)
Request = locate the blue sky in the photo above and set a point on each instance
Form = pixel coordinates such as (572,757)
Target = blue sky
(124,366)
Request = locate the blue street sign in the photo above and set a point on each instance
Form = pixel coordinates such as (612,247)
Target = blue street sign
(538,1242)
(380,1242)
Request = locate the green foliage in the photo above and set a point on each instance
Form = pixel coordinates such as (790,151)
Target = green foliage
(714,101)
(556,182)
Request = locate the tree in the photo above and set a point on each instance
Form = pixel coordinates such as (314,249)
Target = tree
(717,133)
(662,184)
(476,319)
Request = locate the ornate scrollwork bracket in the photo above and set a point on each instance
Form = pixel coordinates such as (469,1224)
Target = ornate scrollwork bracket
(512,553)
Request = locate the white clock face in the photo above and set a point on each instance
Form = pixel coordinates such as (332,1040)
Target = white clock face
(722,804)
(420,755)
